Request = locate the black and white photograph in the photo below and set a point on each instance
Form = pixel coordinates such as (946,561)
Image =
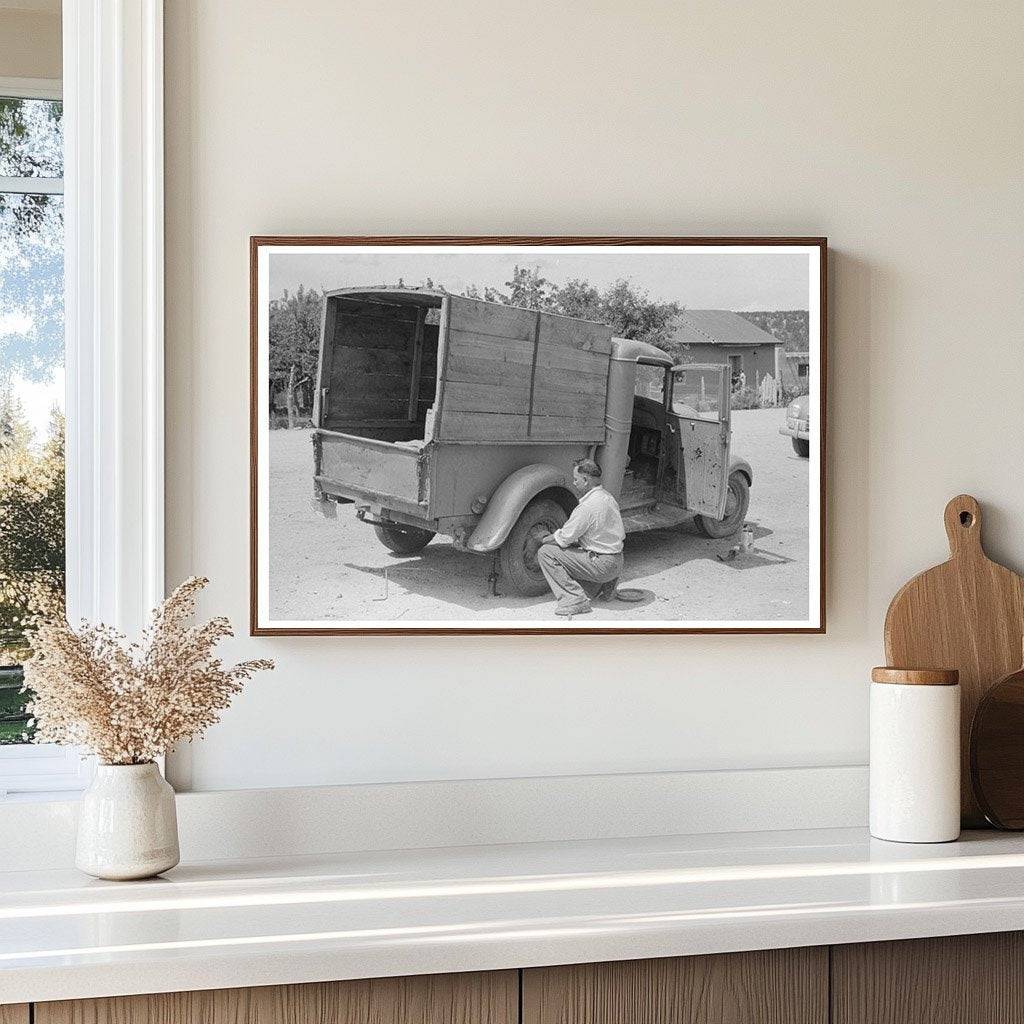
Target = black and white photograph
(581,435)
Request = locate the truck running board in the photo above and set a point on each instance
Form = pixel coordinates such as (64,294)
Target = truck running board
(663,516)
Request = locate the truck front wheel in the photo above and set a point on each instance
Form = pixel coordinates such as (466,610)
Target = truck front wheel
(517,557)
(403,540)
(802,447)
(736,504)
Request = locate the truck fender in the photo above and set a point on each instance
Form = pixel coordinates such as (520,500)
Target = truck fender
(513,494)
(743,467)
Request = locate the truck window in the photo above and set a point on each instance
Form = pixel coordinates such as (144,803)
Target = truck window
(696,393)
(650,382)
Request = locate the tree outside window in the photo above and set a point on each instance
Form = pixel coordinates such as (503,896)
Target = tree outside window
(32,556)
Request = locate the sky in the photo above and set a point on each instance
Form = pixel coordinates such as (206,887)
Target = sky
(737,281)
(39,398)
(31,335)
(31,272)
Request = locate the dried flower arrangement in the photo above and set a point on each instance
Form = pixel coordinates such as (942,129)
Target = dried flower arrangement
(129,703)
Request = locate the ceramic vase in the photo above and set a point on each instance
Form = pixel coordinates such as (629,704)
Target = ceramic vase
(127,825)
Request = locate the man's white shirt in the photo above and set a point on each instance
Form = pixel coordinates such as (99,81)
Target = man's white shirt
(595,524)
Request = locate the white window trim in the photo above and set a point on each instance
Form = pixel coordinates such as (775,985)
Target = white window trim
(31,88)
(114,322)
(43,769)
(114,315)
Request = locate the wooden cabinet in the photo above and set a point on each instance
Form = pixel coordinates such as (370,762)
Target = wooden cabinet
(962,979)
(776,986)
(970,979)
(490,998)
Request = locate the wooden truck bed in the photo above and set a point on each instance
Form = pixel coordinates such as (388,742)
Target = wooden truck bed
(513,375)
(376,472)
(405,364)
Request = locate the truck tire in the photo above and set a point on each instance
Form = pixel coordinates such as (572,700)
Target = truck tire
(802,447)
(736,506)
(517,557)
(403,540)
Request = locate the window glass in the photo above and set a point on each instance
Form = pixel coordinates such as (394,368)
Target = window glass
(31,138)
(697,392)
(31,387)
(650,382)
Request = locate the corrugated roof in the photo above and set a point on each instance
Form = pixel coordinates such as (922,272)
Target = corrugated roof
(718,327)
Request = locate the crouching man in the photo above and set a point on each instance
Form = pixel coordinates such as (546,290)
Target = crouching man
(588,548)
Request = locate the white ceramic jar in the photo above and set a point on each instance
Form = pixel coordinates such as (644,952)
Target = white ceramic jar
(127,824)
(915,755)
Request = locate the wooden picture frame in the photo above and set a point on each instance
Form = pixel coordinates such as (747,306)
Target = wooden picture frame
(409,465)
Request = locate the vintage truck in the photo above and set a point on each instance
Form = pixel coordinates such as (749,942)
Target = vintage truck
(440,414)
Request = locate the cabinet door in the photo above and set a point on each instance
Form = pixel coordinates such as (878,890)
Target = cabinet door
(482,998)
(778,986)
(14,1013)
(961,979)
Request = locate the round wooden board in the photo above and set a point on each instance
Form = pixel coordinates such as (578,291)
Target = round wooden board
(997,752)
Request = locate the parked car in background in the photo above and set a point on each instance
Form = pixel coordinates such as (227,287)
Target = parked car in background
(798,425)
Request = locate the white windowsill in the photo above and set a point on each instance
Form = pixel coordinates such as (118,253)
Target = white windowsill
(43,771)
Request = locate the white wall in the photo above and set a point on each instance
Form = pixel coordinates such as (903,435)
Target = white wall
(30,39)
(895,129)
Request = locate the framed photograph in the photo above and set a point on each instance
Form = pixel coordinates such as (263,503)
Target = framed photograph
(537,435)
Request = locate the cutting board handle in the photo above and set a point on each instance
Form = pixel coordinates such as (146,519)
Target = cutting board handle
(963,526)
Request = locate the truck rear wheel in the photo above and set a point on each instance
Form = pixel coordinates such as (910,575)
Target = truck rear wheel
(802,447)
(517,557)
(736,504)
(403,540)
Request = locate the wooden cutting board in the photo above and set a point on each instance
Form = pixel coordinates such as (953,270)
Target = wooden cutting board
(967,614)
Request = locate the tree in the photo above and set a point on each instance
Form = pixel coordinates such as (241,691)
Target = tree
(294,339)
(31,145)
(32,552)
(580,299)
(489,294)
(527,288)
(294,333)
(628,310)
(32,284)
(631,313)
(31,242)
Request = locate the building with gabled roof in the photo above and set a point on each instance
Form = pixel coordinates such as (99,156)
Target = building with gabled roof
(724,337)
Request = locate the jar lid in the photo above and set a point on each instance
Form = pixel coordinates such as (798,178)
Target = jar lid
(916,676)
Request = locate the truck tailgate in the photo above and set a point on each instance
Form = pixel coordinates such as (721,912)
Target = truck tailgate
(380,472)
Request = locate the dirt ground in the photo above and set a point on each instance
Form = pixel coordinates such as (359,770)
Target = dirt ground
(336,570)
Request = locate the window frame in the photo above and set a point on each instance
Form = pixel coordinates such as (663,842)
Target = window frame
(32,88)
(48,89)
(112,90)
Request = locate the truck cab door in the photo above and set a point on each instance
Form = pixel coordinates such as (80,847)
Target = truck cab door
(698,422)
